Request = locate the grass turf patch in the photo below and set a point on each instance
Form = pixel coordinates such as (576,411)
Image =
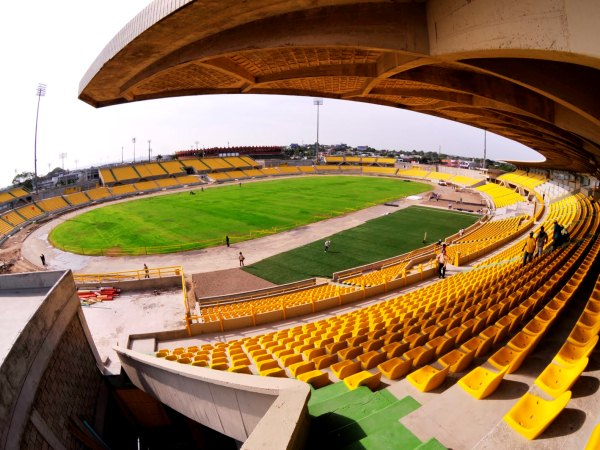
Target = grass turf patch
(179,222)
(377,239)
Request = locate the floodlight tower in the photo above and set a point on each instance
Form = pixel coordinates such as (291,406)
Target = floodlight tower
(133,140)
(317,102)
(149,151)
(40,92)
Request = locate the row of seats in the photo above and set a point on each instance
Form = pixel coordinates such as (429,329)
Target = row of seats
(12,194)
(216,312)
(521,178)
(165,169)
(500,195)
(360,160)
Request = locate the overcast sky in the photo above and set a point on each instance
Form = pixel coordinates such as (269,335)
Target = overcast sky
(55,43)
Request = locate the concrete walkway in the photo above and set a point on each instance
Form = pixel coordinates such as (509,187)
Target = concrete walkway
(197,261)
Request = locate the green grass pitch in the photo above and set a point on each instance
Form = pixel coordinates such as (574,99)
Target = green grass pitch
(377,239)
(180,222)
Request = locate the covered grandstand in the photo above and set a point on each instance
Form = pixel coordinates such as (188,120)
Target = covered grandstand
(500,354)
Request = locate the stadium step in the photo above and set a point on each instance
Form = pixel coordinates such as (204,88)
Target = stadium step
(361,419)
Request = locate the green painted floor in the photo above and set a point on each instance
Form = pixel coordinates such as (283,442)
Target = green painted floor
(361,419)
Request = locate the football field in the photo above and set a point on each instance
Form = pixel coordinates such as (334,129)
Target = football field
(184,221)
(377,239)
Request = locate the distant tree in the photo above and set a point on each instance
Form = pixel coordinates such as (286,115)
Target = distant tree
(24,179)
(159,157)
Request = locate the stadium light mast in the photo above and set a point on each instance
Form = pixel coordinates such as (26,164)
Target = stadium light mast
(40,92)
(133,140)
(149,150)
(484,146)
(318,102)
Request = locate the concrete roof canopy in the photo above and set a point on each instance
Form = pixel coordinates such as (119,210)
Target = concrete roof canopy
(528,70)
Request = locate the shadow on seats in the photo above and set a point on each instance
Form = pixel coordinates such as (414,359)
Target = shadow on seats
(509,390)
(585,386)
(568,422)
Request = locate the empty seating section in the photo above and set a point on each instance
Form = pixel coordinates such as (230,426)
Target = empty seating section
(326,168)
(98,193)
(250,162)
(412,173)
(187,179)
(6,197)
(150,170)
(439,176)
(217,164)
(78,198)
(461,180)
(379,170)
(106,176)
(500,195)
(166,182)
(288,170)
(219,176)
(173,167)
(306,169)
(253,173)
(123,189)
(236,174)
(13,218)
(5,227)
(30,211)
(334,159)
(274,303)
(145,186)
(125,173)
(19,193)
(378,277)
(195,164)
(271,171)
(530,181)
(237,162)
(351,168)
(52,204)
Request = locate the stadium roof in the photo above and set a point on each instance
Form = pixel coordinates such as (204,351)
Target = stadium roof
(528,71)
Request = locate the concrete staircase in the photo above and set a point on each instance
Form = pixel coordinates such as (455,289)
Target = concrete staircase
(361,419)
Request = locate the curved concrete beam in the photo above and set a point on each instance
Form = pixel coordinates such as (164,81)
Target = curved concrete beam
(535,60)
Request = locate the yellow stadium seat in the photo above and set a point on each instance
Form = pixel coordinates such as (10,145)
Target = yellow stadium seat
(345,368)
(394,349)
(570,353)
(240,369)
(315,378)
(350,353)
(323,361)
(420,355)
(371,359)
(594,441)
(531,415)
(288,360)
(509,358)
(364,378)
(457,360)
(480,382)
(302,367)
(274,372)
(428,378)
(395,368)
(555,379)
(267,364)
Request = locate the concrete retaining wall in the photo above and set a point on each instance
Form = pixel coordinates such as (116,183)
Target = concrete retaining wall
(138,285)
(263,412)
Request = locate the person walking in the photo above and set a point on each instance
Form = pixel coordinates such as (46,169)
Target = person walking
(327,245)
(147,271)
(529,248)
(441,264)
(43,258)
(556,235)
(540,241)
(241,258)
(227,240)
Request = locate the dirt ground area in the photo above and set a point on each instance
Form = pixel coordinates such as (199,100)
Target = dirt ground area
(11,260)
(460,199)
(224,282)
